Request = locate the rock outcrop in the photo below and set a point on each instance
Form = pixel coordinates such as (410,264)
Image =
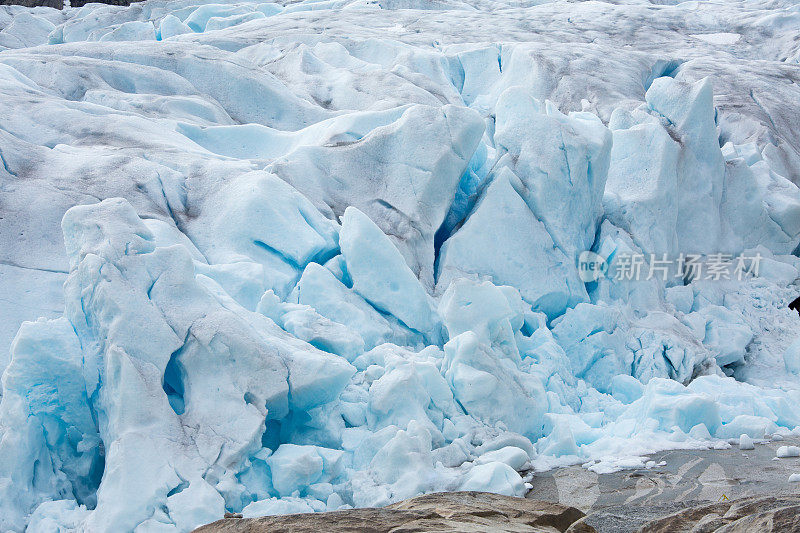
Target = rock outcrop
(456,512)
(762,514)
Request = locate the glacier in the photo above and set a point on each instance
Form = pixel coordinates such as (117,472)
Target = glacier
(287,257)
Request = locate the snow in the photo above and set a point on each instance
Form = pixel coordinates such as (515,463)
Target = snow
(721,38)
(289,257)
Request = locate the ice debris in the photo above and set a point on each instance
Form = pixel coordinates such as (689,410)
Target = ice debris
(788,451)
(745,442)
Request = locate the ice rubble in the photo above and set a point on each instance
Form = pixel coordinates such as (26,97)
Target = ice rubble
(323,254)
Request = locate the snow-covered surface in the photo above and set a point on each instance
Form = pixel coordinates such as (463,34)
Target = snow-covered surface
(324,253)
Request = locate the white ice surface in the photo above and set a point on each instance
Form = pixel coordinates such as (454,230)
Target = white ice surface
(304,256)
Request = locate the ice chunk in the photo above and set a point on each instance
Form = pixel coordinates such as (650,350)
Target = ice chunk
(666,347)
(112,231)
(788,451)
(595,342)
(727,335)
(256,141)
(244,281)
(58,515)
(688,110)
(327,335)
(50,447)
(671,404)
(171,26)
(295,468)
(504,440)
(195,505)
(560,441)
(166,234)
(411,388)
(514,457)
(752,215)
(134,30)
(768,406)
(269,8)
(794,478)
(398,462)
(700,432)
(219,23)
(278,506)
(29,29)
(626,389)
(320,289)
(681,296)
(305,323)
(756,427)
(562,161)
(745,442)
(153,331)
(199,18)
(503,240)
(382,277)
(481,308)
(490,388)
(495,477)
(641,191)
(384,166)
(262,218)
(625,282)
(777,271)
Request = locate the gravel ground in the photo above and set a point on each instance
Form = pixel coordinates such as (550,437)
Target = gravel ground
(624,501)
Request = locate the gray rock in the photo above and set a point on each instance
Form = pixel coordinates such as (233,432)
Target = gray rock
(457,512)
(58,4)
(765,515)
(685,483)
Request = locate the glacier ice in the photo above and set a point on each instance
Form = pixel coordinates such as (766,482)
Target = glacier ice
(289,257)
(518,250)
(381,276)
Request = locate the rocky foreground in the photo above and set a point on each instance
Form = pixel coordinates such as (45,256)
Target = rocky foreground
(461,512)
(443,512)
(741,516)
